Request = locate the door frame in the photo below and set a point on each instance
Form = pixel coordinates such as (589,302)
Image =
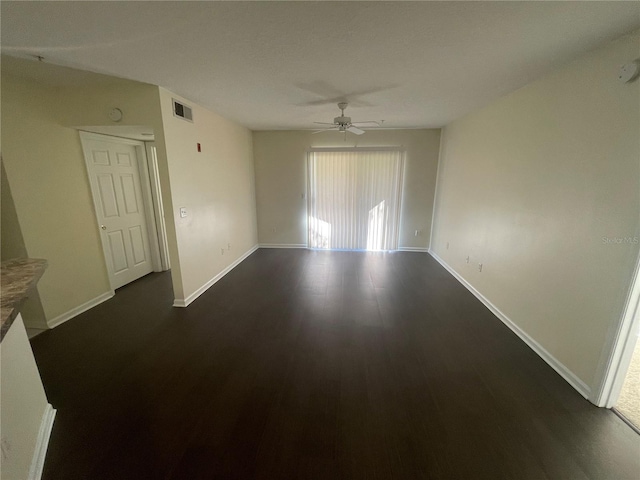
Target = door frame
(147,196)
(158,207)
(617,357)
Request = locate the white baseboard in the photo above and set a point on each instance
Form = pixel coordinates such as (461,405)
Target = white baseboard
(184,302)
(54,322)
(283,245)
(573,380)
(44,434)
(302,245)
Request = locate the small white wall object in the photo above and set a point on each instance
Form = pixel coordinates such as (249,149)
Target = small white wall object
(115,114)
(629,72)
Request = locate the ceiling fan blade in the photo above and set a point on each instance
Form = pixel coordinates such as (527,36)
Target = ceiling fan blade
(332,94)
(355,130)
(367,121)
(324,123)
(325,130)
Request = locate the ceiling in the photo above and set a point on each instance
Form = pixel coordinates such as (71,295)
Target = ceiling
(284,65)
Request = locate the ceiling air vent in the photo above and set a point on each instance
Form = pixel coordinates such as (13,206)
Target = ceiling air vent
(182,111)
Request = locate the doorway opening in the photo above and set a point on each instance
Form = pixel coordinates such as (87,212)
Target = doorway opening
(628,404)
(354,198)
(620,388)
(125,186)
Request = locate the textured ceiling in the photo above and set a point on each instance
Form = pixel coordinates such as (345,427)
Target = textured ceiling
(283,65)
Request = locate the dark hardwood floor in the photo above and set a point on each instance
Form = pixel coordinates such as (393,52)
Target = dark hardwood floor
(316,365)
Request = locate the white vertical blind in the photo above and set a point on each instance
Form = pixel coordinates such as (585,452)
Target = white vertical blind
(354,199)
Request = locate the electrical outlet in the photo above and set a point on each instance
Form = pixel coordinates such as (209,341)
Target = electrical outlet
(222,251)
(415,234)
(467,258)
(183,212)
(479,267)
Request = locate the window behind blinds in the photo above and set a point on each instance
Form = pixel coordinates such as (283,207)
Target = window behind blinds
(354,199)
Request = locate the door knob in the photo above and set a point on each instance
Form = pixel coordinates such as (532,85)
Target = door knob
(103,227)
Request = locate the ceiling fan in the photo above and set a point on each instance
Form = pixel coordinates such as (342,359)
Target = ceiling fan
(344,124)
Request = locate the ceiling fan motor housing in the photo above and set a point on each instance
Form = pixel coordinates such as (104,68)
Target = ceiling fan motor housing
(342,123)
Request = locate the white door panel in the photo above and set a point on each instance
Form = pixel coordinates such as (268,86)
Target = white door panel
(100,157)
(107,194)
(129,193)
(137,244)
(117,250)
(113,168)
(124,159)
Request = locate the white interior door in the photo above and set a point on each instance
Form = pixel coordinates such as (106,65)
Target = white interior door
(113,167)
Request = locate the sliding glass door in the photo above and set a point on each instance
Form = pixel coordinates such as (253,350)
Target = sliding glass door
(354,198)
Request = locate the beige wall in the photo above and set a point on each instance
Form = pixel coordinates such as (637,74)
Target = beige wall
(531,186)
(280,163)
(46,171)
(23,403)
(13,247)
(216,186)
(90,104)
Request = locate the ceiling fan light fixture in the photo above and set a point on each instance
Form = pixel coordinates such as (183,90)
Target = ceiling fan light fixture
(344,124)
